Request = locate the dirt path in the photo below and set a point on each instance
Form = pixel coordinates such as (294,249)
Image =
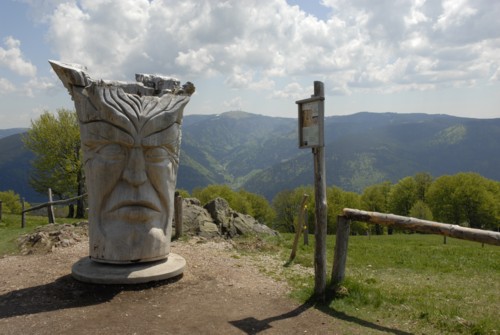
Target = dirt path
(219,293)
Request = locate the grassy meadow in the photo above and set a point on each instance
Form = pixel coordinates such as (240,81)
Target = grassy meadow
(408,283)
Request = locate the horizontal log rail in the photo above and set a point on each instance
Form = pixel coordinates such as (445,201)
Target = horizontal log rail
(52,203)
(424,226)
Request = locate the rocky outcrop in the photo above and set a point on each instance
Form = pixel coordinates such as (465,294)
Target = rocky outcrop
(46,238)
(216,218)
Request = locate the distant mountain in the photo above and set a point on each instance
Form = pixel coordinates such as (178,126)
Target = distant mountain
(261,154)
(366,148)
(11,131)
(15,168)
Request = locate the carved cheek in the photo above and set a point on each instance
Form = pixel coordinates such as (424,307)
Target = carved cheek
(161,169)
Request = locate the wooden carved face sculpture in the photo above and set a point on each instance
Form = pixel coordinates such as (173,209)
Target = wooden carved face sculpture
(131,136)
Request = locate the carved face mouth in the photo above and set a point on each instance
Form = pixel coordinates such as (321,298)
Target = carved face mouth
(140,204)
(135,211)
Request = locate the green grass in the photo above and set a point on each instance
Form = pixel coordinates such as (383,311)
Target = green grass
(410,282)
(10,229)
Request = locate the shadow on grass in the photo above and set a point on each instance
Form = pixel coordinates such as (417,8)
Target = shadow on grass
(251,325)
(64,293)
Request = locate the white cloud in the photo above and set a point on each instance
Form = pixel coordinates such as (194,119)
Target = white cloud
(234,104)
(382,46)
(12,58)
(6,86)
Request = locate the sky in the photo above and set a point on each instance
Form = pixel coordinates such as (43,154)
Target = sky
(260,56)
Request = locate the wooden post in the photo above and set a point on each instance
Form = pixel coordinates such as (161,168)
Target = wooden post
(320,210)
(311,135)
(23,214)
(298,228)
(306,227)
(178,215)
(50,208)
(340,257)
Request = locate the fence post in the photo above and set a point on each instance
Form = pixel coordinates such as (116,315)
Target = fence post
(306,227)
(50,208)
(298,228)
(23,214)
(0,210)
(340,257)
(178,215)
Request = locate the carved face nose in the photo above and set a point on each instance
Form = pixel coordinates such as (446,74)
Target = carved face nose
(135,170)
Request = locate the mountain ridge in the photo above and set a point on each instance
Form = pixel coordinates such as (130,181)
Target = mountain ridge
(260,153)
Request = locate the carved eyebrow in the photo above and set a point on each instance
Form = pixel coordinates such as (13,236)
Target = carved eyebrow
(168,137)
(103,131)
(161,113)
(114,106)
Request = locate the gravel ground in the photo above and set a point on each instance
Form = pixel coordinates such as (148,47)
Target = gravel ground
(220,292)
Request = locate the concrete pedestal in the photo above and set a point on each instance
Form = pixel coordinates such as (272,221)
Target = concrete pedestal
(86,270)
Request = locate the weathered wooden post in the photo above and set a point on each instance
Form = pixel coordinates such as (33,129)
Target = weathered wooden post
(50,208)
(298,228)
(311,135)
(340,257)
(178,215)
(306,226)
(23,214)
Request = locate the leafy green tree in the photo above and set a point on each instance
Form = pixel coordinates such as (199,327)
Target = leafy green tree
(11,202)
(420,210)
(211,192)
(443,201)
(286,206)
(241,201)
(402,196)
(477,200)
(183,193)
(375,198)
(466,199)
(261,210)
(423,181)
(55,140)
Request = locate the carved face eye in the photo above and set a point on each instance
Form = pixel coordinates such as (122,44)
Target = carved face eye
(112,152)
(156,155)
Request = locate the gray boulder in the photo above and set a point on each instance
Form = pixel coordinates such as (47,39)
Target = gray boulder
(216,218)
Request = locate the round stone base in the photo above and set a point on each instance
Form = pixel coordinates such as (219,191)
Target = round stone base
(86,270)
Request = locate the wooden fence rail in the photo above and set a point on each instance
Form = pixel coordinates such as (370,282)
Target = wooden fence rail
(424,226)
(47,204)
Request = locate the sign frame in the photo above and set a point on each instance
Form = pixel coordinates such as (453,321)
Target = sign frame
(311,122)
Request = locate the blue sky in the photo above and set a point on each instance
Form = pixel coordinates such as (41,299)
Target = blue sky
(260,56)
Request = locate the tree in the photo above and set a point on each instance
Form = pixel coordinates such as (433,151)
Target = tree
(402,196)
(420,210)
(465,198)
(286,206)
(260,208)
(55,140)
(443,202)
(423,181)
(241,201)
(375,198)
(11,202)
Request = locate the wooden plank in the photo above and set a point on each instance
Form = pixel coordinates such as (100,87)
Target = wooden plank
(340,257)
(424,226)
